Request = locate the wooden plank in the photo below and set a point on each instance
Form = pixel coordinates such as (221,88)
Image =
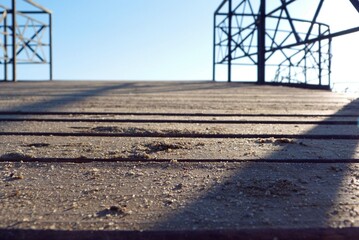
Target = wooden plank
(172,129)
(155,96)
(30,148)
(178,196)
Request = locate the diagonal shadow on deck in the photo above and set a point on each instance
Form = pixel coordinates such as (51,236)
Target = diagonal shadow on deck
(63,100)
(275,195)
(81,92)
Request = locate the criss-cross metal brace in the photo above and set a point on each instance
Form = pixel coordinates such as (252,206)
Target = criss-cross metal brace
(26,37)
(268,36)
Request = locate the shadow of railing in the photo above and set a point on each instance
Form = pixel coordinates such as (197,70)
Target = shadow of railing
(79,92)
(62,100)
(282,194)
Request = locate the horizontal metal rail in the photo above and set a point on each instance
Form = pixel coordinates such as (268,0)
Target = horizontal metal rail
(45,10)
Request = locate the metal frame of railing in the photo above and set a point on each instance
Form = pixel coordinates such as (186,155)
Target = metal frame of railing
(301,51)
(24,38)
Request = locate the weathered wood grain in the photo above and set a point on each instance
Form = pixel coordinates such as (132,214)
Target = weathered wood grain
(177,157)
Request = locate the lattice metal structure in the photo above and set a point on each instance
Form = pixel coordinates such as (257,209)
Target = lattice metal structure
(274,38)
(25,37)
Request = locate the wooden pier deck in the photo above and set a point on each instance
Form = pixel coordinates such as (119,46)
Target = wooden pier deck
(193,160)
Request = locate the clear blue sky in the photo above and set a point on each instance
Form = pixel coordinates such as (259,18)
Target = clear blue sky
(161,39)
(132,39)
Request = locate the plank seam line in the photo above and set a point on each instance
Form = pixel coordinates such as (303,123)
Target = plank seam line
(139,160)
(174,114)
(239,122)
(158,135)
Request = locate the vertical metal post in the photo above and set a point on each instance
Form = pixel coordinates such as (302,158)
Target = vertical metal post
(214,48)
(6,55)
(14,37)
(50,50)
(320,57)
(261,21)
(330,62)
(230,14)
(305,64)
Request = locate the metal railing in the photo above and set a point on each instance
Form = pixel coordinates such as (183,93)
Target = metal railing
(25,38)
(268,40)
